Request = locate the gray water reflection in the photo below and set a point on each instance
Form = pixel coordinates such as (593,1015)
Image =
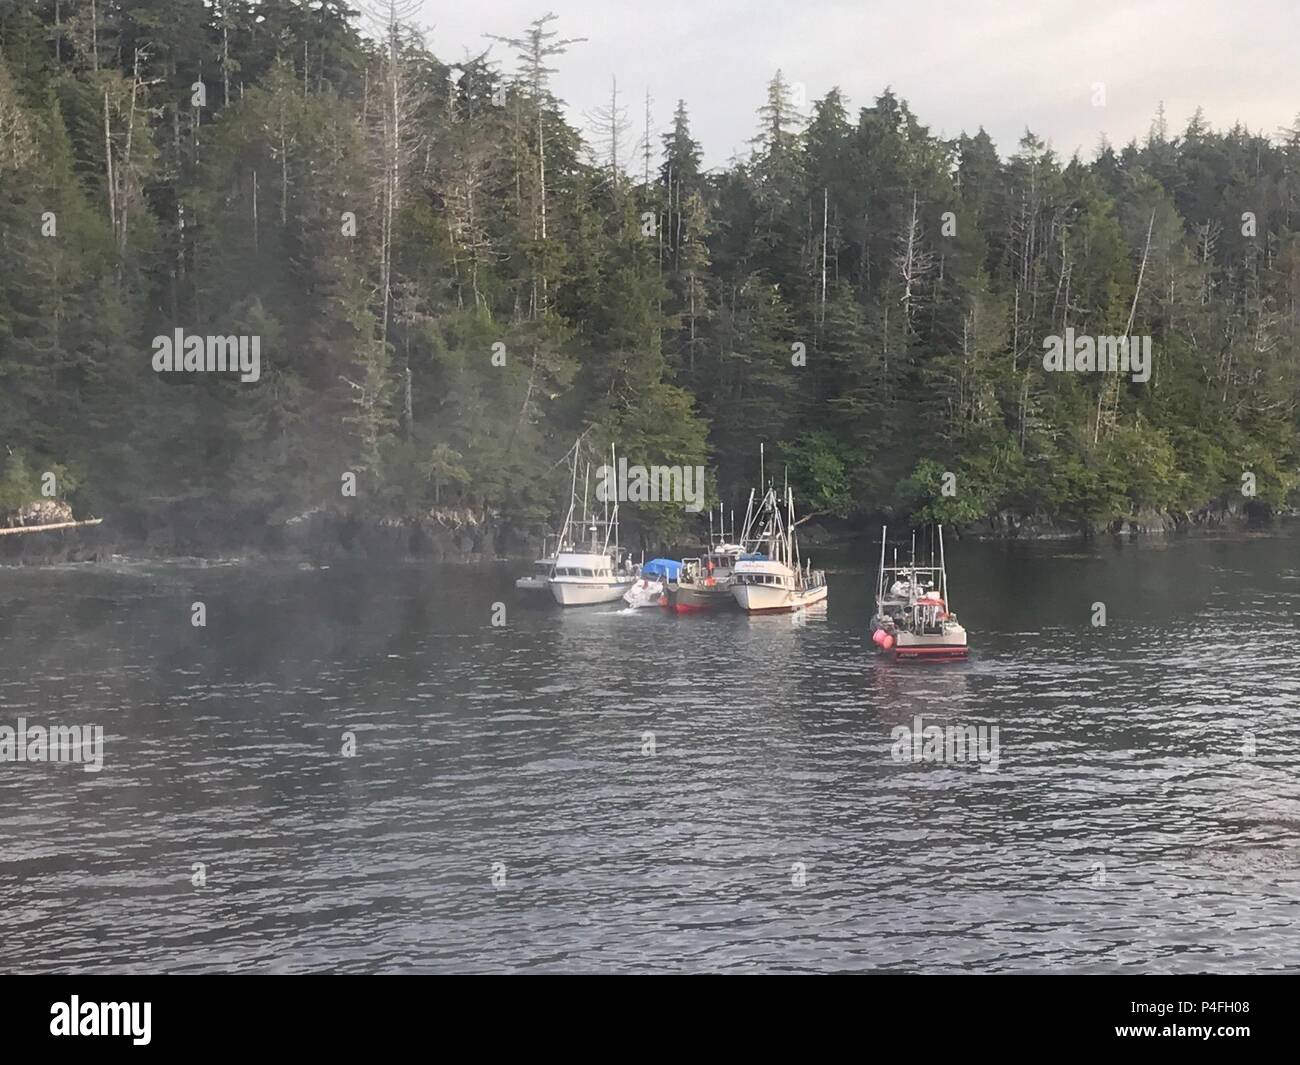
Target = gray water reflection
(1127,827)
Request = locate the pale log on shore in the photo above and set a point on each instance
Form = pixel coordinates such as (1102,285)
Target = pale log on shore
(46,528)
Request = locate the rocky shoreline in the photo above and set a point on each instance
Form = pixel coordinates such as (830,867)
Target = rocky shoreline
(466,536)
(319,535)
(1011,525)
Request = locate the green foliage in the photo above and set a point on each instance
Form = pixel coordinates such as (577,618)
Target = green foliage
(819,464)
(22,480)
(442,314)
(923,496)
(19,485)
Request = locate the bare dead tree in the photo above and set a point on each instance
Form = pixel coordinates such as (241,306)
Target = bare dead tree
(396,139)
(913,262)
(17,139)
(533,49)
(225,53)
(1112,392)
(471,162)
(609,125)
(646,145)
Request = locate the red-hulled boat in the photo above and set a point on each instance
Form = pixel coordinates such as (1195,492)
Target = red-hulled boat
(704,584)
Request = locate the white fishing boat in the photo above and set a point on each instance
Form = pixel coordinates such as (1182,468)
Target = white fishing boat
(779,581)
(913,619)
(539,580)
(584,578)
(589,568)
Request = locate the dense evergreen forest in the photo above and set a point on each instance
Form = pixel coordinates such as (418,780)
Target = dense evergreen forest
(451,282)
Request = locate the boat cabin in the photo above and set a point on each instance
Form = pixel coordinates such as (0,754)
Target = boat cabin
(765,572)
(605,569)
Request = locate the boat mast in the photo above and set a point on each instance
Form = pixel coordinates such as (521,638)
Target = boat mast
(779,529)
(586,480)
(613,462)
(880,580)
(788,499)
(774,536)
(943,571)
(792,545)
(567,531)
(769,526)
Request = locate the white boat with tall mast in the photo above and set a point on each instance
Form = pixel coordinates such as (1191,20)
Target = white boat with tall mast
(589,567)
(539,580)
(781,580)
(913,619)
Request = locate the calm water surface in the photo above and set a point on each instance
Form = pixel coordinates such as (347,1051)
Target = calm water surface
(1128,825)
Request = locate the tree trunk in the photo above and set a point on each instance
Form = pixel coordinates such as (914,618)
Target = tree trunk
(108,164)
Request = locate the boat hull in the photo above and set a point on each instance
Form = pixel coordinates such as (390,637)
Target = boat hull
(588,593)
(768,599)
(695,598)
(644,593)
(533,584)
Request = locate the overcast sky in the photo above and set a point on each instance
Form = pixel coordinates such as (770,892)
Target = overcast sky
(1003,64)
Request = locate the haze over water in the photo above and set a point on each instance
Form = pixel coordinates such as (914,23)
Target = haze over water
(1125,829)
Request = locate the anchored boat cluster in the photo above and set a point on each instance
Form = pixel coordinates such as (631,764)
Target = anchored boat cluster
(759,571)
